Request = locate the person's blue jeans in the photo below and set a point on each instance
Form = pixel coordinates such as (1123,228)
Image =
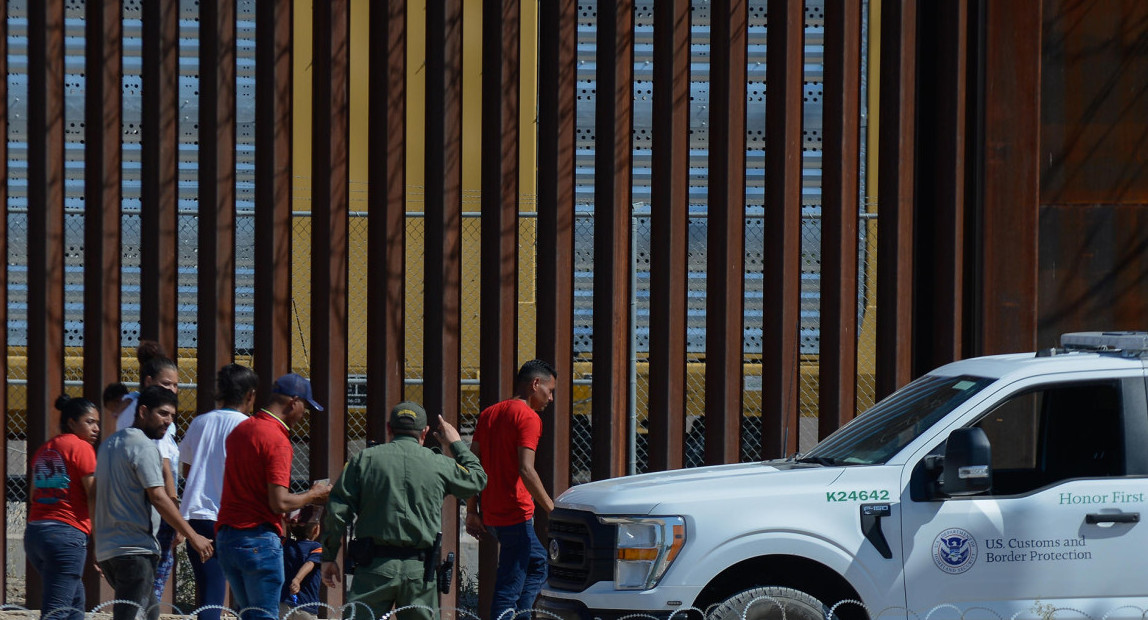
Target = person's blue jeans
(210,582)
(57,551)
(522,569)
(252,561)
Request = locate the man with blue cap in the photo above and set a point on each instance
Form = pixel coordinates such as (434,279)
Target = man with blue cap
(256,483)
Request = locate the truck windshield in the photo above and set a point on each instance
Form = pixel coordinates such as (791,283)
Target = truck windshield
(876,435)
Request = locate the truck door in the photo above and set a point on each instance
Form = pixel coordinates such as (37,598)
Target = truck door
(1060,528)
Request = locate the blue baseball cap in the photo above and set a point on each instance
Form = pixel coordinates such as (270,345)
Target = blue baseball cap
(292,384)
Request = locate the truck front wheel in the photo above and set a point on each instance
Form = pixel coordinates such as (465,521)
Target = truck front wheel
(766,603)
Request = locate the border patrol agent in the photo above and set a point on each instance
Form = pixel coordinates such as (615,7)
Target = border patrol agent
(395,493)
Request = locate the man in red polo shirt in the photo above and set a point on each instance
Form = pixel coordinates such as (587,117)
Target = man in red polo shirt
(256,479)
(505,440)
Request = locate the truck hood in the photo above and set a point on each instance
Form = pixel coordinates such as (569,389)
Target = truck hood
(642,494)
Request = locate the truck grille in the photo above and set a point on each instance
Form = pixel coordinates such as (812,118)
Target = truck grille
(581,550)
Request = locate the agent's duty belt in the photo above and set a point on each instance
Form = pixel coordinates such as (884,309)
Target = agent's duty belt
(363,550)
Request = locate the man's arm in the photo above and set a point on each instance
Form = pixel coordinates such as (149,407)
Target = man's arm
(167,510)
(465,477)
(283,501)
(531,479)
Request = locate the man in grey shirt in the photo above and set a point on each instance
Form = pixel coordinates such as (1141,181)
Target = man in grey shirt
(127,493)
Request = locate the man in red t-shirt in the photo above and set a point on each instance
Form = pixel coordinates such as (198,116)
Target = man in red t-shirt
(508,433)
(256,479)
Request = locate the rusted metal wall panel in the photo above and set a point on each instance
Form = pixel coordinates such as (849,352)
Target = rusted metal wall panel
(613,181)
(273,176)
(386,201)
(895,203)
(45,228)
(725,262)
(159,178)
(1093,186)
(939,216)
(498,338)
(839,207)
(1094,263)
(783,145)
(669,239)
(216,281)
(1093,124)
(1008,183)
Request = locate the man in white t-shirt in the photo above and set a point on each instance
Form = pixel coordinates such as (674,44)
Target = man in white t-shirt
(202,454)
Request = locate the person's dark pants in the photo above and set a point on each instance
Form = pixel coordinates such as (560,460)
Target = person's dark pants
(57,551)
(132,578)
(210,582)
(522,569)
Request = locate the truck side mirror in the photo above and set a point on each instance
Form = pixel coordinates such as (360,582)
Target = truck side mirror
(968,466)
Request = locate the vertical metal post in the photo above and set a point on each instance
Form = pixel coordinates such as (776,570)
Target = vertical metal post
(158,188)
(45,227)
(896,178)
(557,36)
(939,281)
(500,136)
(785,57)
(330,250)
(839,207)
(614,120)
(103,100)
(443,242)
(273,175)
(725,263)
(669,234)
(216,281)
(1008,182)
(386,203)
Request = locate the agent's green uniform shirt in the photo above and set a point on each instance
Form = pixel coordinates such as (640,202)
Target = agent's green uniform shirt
(396,490)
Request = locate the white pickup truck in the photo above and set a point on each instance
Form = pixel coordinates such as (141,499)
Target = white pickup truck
(991,487)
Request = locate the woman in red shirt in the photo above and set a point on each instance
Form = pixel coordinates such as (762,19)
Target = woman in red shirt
(56,541)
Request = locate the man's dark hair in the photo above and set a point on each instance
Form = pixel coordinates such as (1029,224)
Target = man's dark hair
(233,382)
(535,369)
(114,393)
(154,396)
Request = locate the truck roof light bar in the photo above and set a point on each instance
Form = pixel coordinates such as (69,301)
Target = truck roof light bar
(1130,344)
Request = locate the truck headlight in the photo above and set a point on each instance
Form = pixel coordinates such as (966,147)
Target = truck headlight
(645,546)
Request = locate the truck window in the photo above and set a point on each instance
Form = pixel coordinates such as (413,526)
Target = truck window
(882,431)
(1044,436)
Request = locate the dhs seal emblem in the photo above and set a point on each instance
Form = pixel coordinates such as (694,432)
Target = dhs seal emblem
(954,551)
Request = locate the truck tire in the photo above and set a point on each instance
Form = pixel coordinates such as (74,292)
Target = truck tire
(764,602)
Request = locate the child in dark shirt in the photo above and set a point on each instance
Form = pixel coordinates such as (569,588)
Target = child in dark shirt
(301,559)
